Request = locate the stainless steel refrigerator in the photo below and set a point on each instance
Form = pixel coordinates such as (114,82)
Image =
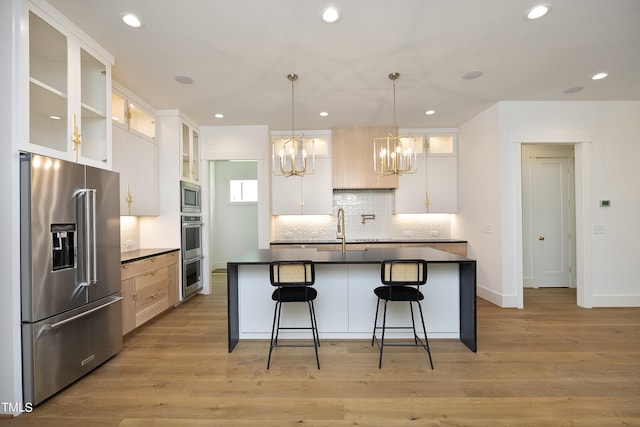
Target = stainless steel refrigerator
(70,272)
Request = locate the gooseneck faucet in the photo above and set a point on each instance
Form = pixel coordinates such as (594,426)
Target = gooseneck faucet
(340,234)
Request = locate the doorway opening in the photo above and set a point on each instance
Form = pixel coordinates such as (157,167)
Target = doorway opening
(233,210)
(548,216)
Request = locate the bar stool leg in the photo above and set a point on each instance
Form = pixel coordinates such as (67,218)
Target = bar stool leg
(315,322)
(314,331)
(375,323)
(273,330)
(384,325)
(413,323)
(426,340)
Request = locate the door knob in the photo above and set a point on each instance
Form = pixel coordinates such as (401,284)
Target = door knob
(540,237)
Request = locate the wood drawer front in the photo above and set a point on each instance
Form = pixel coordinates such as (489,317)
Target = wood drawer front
(127,271)
(149,264)
(172,257)
(151,294)
(150,307)
(150,283)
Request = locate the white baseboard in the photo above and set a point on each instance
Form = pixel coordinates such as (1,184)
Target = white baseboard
(615,301)
(494,297)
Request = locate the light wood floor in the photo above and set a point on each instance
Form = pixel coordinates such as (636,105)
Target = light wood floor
(550,364)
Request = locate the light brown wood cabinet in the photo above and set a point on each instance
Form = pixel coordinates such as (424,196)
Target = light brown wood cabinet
(456,248)
(149,287)
(352,155)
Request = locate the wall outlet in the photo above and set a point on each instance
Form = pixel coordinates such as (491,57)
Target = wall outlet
(435,233)
(488,229)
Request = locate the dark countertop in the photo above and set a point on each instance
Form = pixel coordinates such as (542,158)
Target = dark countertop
(369,256)
(364,241)
(138,254)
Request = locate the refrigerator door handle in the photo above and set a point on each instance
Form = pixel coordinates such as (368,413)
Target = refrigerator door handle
(86,313)
(92,276)
(90,238)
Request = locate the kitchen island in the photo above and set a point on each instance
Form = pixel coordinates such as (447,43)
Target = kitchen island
(345,306)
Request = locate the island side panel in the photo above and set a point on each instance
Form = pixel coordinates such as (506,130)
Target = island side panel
(468,324)
(233,330)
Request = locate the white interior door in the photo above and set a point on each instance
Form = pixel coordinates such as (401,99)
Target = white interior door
(551,221)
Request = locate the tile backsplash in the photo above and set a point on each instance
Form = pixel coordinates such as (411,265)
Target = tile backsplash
(356,203)
(129,233)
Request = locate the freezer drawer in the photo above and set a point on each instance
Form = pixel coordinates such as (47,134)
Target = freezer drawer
(60,350)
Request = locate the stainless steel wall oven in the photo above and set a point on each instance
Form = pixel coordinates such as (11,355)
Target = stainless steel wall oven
(191,255)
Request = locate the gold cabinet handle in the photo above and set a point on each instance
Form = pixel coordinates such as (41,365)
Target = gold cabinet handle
(76,137)
(129,198)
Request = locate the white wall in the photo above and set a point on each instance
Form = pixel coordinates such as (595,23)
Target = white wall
(611,129)
(10,361)
(479,195)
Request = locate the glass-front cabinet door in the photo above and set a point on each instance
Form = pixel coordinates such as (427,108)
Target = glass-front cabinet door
(131,115)
(186,152)
(48,94)
(190,153)
(93,111)
(68,82)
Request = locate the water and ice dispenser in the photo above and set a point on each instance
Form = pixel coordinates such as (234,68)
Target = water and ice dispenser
(63,246)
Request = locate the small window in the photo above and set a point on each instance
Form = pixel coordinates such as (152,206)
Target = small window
(243,190)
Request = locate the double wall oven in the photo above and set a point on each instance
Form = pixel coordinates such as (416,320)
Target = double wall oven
(192,259)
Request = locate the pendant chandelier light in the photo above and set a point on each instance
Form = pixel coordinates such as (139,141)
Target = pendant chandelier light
(394,154)
(289,154)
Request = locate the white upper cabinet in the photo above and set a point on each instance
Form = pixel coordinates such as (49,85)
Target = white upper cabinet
(135,153)
(434,186)
(66,87)
(132,114)
(308,195)
(190,143)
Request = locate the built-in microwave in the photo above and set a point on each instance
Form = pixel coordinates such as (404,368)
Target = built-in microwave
(190,197)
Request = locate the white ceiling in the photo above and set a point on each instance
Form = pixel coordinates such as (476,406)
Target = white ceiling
(239,53)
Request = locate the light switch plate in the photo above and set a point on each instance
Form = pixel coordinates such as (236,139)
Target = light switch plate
(599,229)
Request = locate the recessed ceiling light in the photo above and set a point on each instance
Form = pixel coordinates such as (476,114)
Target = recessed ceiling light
(430,112)
(330,15)
(55,117)
(131,20)
(324,114)
(573,89)
(599,76)
(185,80)
(537,11)
(218,115)
(472,75)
